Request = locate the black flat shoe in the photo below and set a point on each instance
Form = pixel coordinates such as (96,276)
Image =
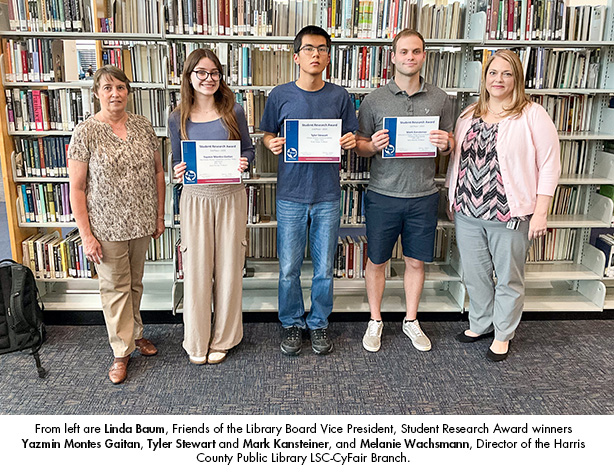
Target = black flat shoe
(492,356)
(472,339)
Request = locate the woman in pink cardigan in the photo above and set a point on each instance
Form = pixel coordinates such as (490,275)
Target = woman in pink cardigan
(500,183)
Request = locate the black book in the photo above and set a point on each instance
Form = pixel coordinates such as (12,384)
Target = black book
(23,146)
(76,7)
(73,108)
(56,151)
(30,199)
(67,15)
(10,109)
(355,17)
(57,201)
(50,161)
(79,101)
(53,109)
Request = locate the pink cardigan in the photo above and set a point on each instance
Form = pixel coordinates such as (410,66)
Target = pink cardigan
(529,157)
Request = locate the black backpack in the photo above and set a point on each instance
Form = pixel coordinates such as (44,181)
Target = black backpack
(21,315)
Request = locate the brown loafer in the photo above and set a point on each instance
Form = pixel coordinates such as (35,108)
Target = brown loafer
(145,347)
(119,370)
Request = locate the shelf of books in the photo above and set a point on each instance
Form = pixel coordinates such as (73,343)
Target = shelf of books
(443,288)
(567,53)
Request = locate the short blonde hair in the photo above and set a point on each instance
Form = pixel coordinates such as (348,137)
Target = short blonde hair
(519,96)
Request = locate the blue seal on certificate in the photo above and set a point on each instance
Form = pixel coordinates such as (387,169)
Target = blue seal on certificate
(190,177)
(292,153)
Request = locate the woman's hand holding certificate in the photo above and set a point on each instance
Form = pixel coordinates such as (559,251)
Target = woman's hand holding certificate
(212,161)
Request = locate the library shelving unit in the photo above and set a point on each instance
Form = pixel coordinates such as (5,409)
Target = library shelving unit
(572,285)
(578,284)
(443,290)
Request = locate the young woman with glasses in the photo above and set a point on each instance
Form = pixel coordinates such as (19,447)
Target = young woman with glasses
(213,217)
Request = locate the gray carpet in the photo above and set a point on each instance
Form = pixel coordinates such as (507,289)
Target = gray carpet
(555,367)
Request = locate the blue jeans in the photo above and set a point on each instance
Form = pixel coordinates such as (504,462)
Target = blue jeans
(294,220)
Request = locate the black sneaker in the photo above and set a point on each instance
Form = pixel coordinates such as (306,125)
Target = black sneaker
(320,342)
(292,339)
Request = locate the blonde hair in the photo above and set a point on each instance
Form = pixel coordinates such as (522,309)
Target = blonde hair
(519,97)
(224,97)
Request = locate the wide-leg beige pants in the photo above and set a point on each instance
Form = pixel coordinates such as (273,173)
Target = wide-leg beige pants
(120,278)
(213,223)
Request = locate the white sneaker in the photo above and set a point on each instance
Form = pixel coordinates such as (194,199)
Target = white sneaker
(412,329)
(373,336)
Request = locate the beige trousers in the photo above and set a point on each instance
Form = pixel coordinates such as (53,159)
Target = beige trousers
(120,277)
(213,223)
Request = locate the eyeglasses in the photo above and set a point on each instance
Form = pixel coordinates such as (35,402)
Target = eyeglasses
(204,75)
(312,49)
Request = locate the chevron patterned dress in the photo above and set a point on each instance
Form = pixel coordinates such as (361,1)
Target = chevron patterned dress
(480,192)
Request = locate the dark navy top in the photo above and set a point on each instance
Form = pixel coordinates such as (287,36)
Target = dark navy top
(308,182)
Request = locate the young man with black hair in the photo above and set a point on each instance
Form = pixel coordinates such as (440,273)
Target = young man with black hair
(402,198)
(308,194)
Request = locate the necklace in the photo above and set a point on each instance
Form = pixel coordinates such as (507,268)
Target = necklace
(496,114)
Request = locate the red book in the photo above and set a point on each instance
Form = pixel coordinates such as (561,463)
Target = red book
(363,66)
(199,17)
(488,18)
(510,19)
(24,64)
(385,56)
(396,17)
(38,111)
(368,67)
(221,8)
(350,257)
(493,22)
(13,24)
(227,17)
(529,16)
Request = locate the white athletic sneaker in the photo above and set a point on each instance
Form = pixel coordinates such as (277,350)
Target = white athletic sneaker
(373,336)
(412,329)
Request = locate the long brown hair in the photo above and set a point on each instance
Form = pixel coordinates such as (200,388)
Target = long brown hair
(519,97)
(224,97)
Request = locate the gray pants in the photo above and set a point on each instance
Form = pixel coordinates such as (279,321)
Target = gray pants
(487,246)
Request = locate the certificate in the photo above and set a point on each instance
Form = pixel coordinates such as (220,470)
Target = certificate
(409,137)
(211,161)
(312,140)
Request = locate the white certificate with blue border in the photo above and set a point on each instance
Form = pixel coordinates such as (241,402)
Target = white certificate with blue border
(211,161)
(312,140)
(409,137)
